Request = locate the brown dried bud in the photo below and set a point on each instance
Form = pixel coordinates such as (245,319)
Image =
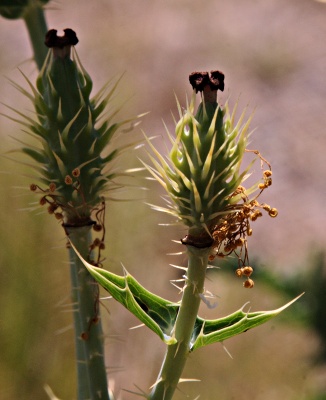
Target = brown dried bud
(97,227)
(217,80)
(75,173)
(43,201)
(247,270)
(248,284)
(273,212)
(96,242)
(266,207)
(52,187)
(238,272)
(68,39)
(68,180)
(59,216)
(52,207)
(199,80)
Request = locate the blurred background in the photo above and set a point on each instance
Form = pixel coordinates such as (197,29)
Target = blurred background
(273,55)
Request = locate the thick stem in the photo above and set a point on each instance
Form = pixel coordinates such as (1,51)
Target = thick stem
(177,354)
(91,372)
(37,28)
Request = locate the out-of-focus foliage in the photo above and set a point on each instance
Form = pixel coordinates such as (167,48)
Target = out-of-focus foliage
(310,278)
(272,53)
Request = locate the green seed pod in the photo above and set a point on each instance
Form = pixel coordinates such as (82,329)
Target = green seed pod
(71,140)
(203,171)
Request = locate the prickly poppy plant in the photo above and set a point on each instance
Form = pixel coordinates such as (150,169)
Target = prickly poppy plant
(202,175)
(71,137)
(204,183)
(72,179)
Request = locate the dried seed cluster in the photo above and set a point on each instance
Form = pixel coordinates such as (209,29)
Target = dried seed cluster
(230,234)
(52,198)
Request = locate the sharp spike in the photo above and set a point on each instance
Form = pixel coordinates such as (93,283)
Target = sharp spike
(178,267)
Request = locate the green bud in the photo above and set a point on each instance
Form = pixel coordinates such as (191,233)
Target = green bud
(71,140)
(203,170)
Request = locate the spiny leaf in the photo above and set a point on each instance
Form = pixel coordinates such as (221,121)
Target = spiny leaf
(211,331)
(160,314)
(155,312)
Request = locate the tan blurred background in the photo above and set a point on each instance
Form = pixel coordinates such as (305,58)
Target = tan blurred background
(273,54)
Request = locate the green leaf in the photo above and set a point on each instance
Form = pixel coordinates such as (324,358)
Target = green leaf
(160,314)
(155,312)
(211,331)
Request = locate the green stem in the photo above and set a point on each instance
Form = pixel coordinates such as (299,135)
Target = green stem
(37,28)
(177,354)
(91,372)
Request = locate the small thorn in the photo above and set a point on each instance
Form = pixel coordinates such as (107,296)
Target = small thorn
(182,380)
(226,350)
(178,287)
(136,327)
(178,267)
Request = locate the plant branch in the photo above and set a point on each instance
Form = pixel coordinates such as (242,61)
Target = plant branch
(36,25)
(177,354)
(91,372)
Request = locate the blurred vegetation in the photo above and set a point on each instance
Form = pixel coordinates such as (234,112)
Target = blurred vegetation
(285,359)
(33,281)
(309,278)
(310,311)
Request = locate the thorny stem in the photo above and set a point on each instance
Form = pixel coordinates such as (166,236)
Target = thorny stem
(198,243)
(91,372)
(177,354)
(36,25)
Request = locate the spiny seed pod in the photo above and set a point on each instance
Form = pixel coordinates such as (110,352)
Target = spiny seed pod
(204,169)
(71,141)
